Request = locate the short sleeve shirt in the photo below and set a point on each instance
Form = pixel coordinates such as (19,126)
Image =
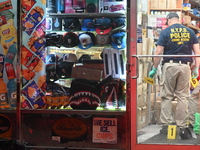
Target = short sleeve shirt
(177,40)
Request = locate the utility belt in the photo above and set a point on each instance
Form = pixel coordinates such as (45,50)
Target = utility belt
(176,61)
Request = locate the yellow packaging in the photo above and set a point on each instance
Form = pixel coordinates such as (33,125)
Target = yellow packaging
(8,35)
(3,95)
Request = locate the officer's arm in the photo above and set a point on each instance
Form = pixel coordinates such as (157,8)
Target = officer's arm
(159,51)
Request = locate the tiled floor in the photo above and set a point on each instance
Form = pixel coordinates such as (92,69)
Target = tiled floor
(151,135)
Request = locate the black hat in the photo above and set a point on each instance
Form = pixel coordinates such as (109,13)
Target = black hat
(171,15)
(72,24)
(70,39)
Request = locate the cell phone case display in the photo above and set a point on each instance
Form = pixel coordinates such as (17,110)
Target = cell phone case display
(8,55)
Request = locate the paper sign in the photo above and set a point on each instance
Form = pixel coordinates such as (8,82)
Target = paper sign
(149,80)
(171,132)
(104,130)
(194,82)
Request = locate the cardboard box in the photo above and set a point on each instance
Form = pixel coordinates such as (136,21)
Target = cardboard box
(174,4)
(142,117)
(139,48)
(139,89)
(154,4)
(140,78)
(162,4)
(179,3)
(171,4)
(91,74)
(114,7)
(187,19)
(146,69)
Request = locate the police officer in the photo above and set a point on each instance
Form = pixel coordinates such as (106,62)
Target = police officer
(176,39)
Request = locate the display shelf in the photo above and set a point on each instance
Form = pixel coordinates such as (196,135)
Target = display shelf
(73,148)
(192,26)
(166,9)
(85,15)
(4,111)
(70,112)
(191,15)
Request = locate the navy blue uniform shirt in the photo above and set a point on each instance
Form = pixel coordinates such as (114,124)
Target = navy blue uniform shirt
(177,40)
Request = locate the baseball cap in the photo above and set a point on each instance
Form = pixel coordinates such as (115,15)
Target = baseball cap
(118,23)
(118,40)
(88,25)
(86,40)
(171,15)
(69,57)
(70,39)
(51,59)
(84,57)
(103,25)
(102,39)
(54,39)
(72,24)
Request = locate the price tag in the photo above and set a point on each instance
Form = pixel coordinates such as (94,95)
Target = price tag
(149,80)
(194,82)
(171,132)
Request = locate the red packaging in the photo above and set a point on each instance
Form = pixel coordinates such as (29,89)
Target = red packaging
(29,60)
(10,71)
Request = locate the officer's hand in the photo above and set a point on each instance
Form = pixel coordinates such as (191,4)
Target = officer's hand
(195,72)
(152,72)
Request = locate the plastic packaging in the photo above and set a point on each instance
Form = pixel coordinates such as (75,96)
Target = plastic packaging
(12,90)
(197,123)
(11,53)
(3,95)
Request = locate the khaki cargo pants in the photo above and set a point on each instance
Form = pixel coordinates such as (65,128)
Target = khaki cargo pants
(175,81)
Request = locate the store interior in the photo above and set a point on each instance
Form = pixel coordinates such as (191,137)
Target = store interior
(151,20)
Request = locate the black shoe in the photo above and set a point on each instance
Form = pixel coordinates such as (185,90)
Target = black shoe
(190,126)
(164,130)
(185,133)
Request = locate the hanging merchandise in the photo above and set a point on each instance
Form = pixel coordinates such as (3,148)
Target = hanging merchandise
(54,39)
(70,39)
(60,7)
(103,39)
(86,40)
(114,63)
(65,64)
(56,24)
(118,40)
(103,25)
(84,94)
(112,93)
(51,6)
(51,66)
(118,23)
(92,6)
(88,25)
(72,24)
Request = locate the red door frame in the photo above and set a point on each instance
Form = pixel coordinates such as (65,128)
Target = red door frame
(132,89)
